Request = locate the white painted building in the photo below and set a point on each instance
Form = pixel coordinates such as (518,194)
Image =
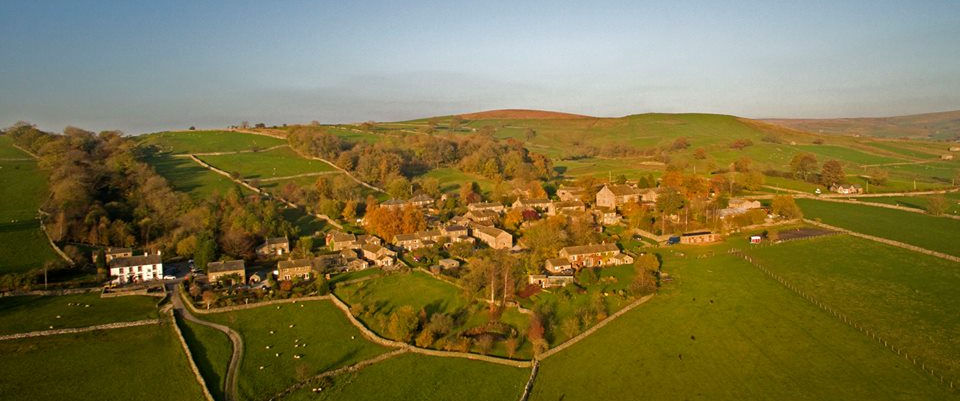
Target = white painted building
(133,269)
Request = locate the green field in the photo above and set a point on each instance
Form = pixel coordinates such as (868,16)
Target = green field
(907,298)
(930,232)
(420,377)
(23,246)
(185,175)
(211,351)
(919,202)
(722,330)
(416,289)
(136,363)
(282,162)
(208,141)
(30,313)
(331,342)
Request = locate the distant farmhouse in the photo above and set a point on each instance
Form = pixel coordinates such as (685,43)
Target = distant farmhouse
(847,189)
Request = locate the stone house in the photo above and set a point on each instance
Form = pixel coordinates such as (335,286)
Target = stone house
(532,204)
(946,157)
(559,266)
(135,269)
(606,254)
(955,148)
(218,270)
(274,246)
(606,216)
(449,263)
(573,206)
(290,269)
(615,195)
(490,206)
(455,232)
(567,193)
(494,237)
(482,217)
(378,255)
(408,241)
(421,201)
(649,195)
(337,240)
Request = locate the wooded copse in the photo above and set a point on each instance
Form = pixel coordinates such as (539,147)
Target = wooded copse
(102,194)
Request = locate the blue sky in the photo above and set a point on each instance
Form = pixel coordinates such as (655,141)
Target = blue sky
(142,66)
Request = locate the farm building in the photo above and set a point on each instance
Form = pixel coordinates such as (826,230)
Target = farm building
(494,237)
(274,246)
(113,253)
(549,281)
(946,157)
(449,263)
(743,204)
(699,237)
(606,254)
(614,195)
(131,269)
(955,148)
(393,204)
(218,270)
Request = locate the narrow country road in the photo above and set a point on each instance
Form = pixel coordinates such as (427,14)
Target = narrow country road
(230,384)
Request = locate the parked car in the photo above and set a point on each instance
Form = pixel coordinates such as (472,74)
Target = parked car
(169,277)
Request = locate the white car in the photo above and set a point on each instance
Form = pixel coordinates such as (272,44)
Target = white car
(169,277)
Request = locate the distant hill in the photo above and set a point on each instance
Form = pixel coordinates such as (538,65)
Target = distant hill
(521,114)
(942,125)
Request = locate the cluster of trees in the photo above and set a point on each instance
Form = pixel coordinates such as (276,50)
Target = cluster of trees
(384,162)
(804,166)
(102,194)
(387,222)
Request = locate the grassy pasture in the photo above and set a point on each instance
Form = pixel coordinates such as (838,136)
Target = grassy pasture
(280,162)
(421,377)
(208,141)
(416,289)
(919,202)
(907,298)
(930,232)
(29,313)
(23,246)
(722,330)
(187,176)
(331,342)
(211,351)
(136,363)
